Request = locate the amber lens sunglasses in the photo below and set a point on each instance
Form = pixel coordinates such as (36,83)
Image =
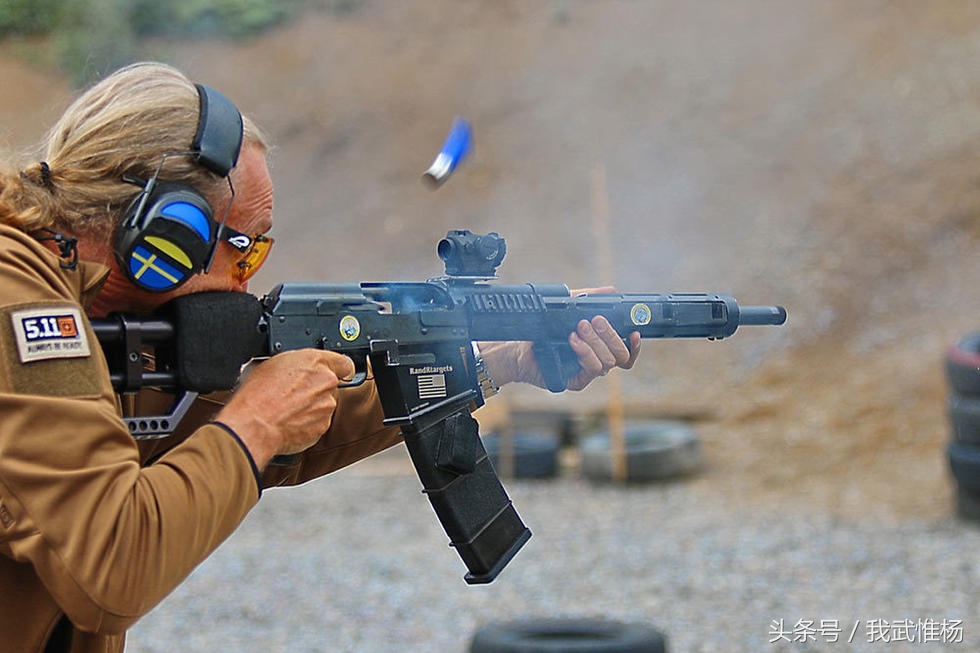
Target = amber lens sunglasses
(254,251)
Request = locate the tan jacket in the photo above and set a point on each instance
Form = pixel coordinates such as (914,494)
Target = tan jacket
(91,537)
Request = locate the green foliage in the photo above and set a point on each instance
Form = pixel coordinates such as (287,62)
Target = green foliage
(92,37)
(189,18)
(27,17)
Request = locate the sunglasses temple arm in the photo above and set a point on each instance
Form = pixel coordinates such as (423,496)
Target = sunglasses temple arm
(219,228)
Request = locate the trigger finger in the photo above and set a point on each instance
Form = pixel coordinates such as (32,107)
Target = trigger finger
(342,366)
(346,369)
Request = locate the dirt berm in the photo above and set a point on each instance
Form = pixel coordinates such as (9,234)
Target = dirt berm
(822,156)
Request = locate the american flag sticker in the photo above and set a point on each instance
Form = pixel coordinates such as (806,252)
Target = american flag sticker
(432,386)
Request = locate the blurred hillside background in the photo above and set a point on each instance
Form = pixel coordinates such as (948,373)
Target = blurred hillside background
(820,155)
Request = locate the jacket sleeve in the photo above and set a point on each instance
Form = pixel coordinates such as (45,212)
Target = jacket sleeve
(108,538)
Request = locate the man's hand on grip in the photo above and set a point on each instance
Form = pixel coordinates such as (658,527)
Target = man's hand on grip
(598,347)
(287,402)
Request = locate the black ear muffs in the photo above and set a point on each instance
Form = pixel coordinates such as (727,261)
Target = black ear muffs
(169,232)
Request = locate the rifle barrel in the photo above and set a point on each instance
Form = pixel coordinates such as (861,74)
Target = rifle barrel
(761,315)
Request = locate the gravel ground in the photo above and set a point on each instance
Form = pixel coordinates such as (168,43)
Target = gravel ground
(357,562)
(817,155)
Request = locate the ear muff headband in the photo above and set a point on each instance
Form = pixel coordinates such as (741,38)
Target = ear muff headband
(218,140)
(169,233)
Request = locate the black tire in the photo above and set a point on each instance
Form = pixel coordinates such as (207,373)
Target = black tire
(535,455)
(964,463)
(963,365)
(655,451)
(964,418)
(967,504)
(568,636)
(564,425)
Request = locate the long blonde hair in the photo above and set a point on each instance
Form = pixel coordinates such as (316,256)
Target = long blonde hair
(121,126)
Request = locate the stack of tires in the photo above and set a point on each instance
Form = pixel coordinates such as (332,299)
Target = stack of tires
(523,454)
(963,375)
(529,444)
(655,450)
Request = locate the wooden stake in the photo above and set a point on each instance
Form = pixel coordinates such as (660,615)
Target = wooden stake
(614,400)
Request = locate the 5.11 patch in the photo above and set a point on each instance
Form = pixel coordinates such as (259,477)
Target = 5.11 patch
(47,333)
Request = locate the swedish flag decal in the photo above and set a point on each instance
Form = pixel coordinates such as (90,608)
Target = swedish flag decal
(162,269)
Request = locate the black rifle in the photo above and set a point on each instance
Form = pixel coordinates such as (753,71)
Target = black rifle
(417,337)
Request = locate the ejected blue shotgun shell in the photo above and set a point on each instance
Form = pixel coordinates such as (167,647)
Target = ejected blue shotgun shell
(456,147)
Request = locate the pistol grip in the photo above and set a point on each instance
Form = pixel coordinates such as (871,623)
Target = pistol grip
(557,363)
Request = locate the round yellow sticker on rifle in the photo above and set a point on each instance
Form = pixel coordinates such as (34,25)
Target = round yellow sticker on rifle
(640,314)
(350,328)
